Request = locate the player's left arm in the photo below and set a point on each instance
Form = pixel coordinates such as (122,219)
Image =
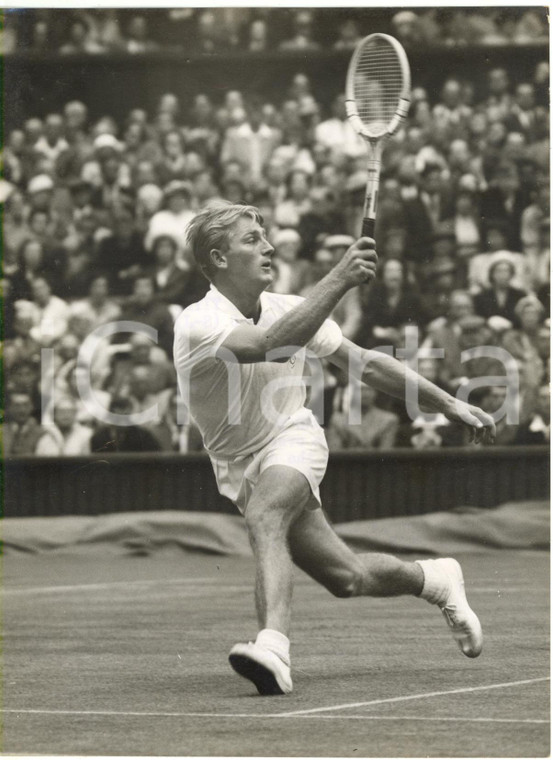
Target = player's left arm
(390,376)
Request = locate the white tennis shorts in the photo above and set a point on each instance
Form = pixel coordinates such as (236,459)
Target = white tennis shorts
(301,445)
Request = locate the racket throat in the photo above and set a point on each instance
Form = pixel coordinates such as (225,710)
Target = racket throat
(371,201)
(371,196)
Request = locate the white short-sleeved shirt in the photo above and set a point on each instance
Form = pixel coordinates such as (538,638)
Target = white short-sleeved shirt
(240,407)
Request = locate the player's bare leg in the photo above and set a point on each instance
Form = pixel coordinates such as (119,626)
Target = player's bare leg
(318,551)
(277,500)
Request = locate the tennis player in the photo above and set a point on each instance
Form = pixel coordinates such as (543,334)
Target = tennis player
(239,355)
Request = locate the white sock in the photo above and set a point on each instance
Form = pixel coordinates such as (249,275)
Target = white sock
(275,642)
(436,585)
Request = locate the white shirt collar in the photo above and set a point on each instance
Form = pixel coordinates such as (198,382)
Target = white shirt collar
(225,305)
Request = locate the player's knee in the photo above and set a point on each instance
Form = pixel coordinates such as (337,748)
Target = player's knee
(264,521)
(346,583)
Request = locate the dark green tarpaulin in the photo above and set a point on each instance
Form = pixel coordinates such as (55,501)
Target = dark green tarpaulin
(521,525)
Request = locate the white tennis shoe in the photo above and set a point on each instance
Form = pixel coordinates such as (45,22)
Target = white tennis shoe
(462,621)
(268,671)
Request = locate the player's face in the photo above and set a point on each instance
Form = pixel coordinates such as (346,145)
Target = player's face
(249,254)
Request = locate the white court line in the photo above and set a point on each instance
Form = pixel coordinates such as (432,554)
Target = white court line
(214,580)
(503,590)
(113,584)
(427,695)
(315,713)
(425,718)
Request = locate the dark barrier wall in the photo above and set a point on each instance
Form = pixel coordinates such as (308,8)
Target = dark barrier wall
(112,85)
(358,484)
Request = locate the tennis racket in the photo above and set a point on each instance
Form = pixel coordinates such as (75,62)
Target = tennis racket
(378,89)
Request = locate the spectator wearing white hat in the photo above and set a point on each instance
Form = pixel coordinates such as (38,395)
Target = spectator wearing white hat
(174,219)
(40,191)
(496,237)
(105,146)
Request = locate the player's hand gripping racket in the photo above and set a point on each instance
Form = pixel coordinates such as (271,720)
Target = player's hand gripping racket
(378,89)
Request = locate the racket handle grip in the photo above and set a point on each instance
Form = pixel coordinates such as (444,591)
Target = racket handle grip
(368,228)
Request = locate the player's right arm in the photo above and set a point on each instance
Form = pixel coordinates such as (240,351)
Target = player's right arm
(252,343)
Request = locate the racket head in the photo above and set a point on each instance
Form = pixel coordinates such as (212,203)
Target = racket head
(378,86)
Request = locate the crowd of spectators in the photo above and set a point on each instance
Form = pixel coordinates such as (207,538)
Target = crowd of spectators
(94,31)
(94,230)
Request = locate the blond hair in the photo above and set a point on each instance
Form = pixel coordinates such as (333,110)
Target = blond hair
(210,230)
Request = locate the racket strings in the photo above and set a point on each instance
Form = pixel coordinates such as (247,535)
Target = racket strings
(378,84)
